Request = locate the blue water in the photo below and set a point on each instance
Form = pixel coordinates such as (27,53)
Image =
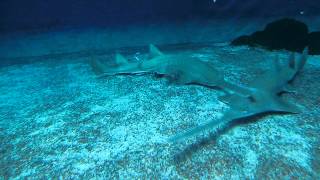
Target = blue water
(37,14)
(59,120)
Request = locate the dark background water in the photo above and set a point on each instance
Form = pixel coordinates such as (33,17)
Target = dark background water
(36,14)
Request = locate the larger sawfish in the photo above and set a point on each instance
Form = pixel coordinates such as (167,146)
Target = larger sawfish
(263,97)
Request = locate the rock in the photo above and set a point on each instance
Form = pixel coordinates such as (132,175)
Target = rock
(285,33)
(314,43)
(242,40)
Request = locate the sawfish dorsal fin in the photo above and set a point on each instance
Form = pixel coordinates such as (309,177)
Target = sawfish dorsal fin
(120,60)
(154,51)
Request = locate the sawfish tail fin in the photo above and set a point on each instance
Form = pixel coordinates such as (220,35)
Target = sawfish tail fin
(292,63)
(101,69)
(303,60)
(122,65)
(297,65)
(287,72)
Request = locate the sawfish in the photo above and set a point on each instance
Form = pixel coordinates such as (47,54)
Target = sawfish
(177,68)
(263,95)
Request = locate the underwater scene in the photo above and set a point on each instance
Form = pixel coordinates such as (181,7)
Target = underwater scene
(150,89)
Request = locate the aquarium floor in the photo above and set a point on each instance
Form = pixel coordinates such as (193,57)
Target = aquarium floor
(58,120)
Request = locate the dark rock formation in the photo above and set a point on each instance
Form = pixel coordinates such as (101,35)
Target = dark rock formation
(314,42)
(286,34)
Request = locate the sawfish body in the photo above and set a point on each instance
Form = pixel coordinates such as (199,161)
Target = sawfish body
(263,97)
(179,69)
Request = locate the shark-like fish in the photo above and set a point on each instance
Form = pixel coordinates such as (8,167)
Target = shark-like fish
(261,96)
(177,68)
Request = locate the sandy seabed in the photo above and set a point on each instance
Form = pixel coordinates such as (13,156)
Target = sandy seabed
(58,120)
